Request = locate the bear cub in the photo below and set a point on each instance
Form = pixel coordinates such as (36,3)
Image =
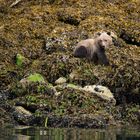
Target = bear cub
(94,49)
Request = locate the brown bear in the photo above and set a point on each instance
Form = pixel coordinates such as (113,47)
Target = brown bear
(94,49)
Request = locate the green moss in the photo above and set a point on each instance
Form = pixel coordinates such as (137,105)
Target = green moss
(19,60)
(36,78)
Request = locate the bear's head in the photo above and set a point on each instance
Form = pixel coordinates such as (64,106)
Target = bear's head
(111,34)
(104,40)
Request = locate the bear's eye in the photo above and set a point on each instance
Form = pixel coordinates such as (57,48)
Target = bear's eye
(105,40)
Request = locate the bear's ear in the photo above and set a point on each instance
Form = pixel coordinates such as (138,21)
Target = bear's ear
(109,33)
(97,34)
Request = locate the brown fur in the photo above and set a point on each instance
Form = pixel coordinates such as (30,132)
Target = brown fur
(94,49)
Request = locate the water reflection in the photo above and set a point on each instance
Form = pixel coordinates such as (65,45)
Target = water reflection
(30,133)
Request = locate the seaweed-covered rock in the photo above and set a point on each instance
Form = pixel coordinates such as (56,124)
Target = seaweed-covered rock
(5,117)
(101,91)
(44,34)
(81,121)
(33,83)
(98,90)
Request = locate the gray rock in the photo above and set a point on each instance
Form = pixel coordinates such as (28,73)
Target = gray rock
(61,80)
(22,111)
(32,78)
(21,115)
(72,75)
(101,91)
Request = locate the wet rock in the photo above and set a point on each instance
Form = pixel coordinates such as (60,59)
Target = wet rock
(81,121)
(22,111)
(101,91)
(30,107)
(20,127)
(21,115)
(61,80)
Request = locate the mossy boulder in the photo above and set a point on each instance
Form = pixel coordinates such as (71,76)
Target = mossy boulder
(72,102)
(20,89)
(34,83)
(32,78)
(35,78)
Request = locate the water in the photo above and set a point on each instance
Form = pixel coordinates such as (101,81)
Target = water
(31,133)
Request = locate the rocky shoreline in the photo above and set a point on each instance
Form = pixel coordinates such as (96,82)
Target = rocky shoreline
(43,84)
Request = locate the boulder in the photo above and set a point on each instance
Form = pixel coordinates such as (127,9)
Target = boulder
(21,115)
(32,78)
(101,91)
(61,80)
